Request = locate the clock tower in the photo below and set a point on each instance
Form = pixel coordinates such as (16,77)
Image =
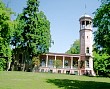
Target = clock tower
(86,42)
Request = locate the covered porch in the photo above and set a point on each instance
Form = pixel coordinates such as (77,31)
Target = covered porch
(60,63)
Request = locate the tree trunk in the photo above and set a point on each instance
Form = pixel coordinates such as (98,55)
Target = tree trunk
(9,64)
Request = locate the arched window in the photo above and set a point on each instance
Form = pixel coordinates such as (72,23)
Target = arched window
(87,50)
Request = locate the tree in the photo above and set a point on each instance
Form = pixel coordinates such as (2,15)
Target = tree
(6,32)
(102,22)
(36,32)
(75,48)
(101,64)
(102,38)
(35,63)
(57,63)
(32,31)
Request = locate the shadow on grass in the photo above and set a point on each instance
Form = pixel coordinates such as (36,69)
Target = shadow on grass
(77,84)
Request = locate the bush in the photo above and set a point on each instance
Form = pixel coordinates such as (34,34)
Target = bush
(2,64)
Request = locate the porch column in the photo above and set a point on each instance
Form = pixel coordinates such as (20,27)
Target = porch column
(55,62)
(78,63)
(71,62)
(46,60)
(79,66)
(63,61)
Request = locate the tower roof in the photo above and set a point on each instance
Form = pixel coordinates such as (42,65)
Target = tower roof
(85,16)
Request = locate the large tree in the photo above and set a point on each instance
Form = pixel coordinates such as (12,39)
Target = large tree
(102,22)
(102,38)
(75,48)
(32,30)
(6,31)
(36,32)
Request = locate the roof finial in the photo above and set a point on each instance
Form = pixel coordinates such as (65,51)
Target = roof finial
(85,9)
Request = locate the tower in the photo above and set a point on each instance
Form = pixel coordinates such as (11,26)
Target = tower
(86,41)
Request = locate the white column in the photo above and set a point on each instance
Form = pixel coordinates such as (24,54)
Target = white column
(91,62)
(63,61)
(46,60)
(71,62)
(79,63)
(79,71)
(85,25)
(55,62)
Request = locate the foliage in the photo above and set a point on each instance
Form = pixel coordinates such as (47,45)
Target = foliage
(6,32)
(102,22)
(102,38)
(33,30)
(57,63)
(75,48)
(101,63)
(36,61)
(17,38)
(2,64)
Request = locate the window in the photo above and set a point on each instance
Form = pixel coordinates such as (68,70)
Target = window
(50,62)
(75,63)
(87,23)
(43,62)
(87,50)
(87,63)
(83,22)
(83,25)
(66,62)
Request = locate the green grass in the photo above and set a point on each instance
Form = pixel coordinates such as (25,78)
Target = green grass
(25,80)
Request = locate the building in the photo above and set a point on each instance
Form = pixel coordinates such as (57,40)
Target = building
(79,64)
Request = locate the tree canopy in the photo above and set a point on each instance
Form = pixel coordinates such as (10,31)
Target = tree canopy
(102,22)
(75,48)
(6,31)
(102,38)
(33,30)
(31,33)
(101,64)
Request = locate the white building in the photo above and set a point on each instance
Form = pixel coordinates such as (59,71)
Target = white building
(74,63)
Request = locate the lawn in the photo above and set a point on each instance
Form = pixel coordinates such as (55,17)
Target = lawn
(26,80)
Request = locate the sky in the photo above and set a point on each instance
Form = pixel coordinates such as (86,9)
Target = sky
(63,16)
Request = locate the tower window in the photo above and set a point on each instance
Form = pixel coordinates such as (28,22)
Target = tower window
(87,63)
(87,50)
(87,23)
(83,25)
(83,22)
